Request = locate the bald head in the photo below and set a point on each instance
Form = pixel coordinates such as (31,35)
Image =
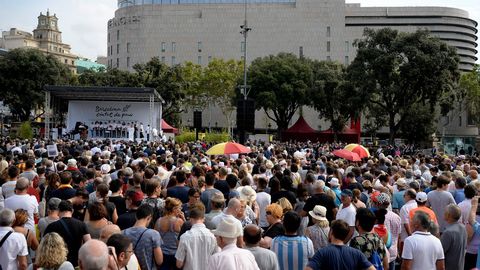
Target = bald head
(107,231)
(234,206)
(93,255)
(252,234)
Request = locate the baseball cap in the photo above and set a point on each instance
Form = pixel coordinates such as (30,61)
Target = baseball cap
(421,197)
(334,182)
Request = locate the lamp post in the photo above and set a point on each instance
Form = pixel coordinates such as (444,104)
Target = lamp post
(244,88)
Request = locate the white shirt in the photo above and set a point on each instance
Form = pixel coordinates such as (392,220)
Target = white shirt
(423,249)
(465,207)
(263,199)
(15,245)
(347,214)
(233,258)
(195,247)
(405,216)
(26,202)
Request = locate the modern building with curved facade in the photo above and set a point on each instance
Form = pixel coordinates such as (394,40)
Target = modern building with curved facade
(199,30)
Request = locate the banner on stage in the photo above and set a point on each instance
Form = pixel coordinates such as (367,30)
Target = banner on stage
(89,112)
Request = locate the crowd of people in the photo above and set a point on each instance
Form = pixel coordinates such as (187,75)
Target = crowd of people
(126,205)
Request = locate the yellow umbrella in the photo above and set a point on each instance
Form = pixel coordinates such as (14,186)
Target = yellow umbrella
(359,149)
(227,148)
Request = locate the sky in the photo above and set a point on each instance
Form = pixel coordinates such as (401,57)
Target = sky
(84,22)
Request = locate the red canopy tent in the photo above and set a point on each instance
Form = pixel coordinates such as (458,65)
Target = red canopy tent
(167,128)
(300,131)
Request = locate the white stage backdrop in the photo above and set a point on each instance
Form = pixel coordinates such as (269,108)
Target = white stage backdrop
(90,111)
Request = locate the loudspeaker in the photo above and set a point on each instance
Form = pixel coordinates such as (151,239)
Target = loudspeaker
(246,115)
(197,119)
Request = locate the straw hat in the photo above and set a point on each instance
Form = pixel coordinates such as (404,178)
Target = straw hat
(319,212)
(227,228)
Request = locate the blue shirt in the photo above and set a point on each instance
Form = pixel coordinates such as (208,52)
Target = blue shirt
(397,200)
(335,257)
(458,195)
(292,251)
(144,241)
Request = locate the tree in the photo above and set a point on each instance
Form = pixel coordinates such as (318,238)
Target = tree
(23,74)
(107,77)
(394,72)
(220,81)
(169,82)
(280,85)
(331,94)
(470,84)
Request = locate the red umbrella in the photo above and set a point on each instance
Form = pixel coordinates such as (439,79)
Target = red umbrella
(352,156)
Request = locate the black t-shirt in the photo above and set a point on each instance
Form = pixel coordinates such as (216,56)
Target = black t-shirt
(323,200)
(73,238)
(64,193)
(355,185)
(119,202)
(274,231)
(127,219)
(289,195)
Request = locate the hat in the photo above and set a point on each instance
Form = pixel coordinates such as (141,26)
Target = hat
(282,162)
(367,184)
(334,182)
(53,204)
(227,228)
(217,197)
(203,160)
(247,193)
(347,192)
(380,198)
(421,197)
(401,182)
(105,168)
(319,212)
(71,163)
(403,163)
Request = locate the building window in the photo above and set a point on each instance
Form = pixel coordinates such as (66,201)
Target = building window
(118,62)
(328,31)
(111,49)
(209,58)
(163,59)
(347,46)
(73,62)
(459,121)
(128,47)
(242,46)
(66,61)
(118,48)
(300,51)
(128,62)
(199,46)
(163,47)
(108,37)
(174,46)
(173,60)
(199,60)
(329,58)
(346,60)
(328,46)
(118,35)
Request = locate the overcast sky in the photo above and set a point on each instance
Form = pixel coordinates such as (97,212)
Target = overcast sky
(84,22)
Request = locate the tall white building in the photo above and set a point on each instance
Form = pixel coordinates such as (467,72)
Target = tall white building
(199,30)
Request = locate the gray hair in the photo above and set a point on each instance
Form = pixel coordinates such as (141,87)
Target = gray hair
(453,211)
(7,216)
(318,185)
(93,255)
(422,219)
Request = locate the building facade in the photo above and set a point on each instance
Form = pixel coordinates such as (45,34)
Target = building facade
(46,37)
(199,30)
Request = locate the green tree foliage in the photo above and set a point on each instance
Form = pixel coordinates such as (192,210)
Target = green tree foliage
(418,125)
(25,131)
(397,71)
(280,86)
(219,81)
(470,84)
(107,77)
(23,74)
(331,94)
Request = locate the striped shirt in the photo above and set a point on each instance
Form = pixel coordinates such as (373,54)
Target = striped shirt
(292,251)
